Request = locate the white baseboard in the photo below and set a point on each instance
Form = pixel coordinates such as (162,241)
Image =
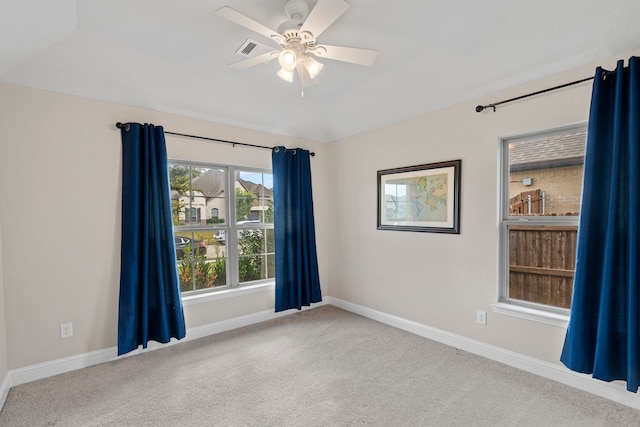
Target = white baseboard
(614,391)
(59,366)
(4,390)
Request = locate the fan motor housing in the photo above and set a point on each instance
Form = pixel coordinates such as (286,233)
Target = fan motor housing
(297,9)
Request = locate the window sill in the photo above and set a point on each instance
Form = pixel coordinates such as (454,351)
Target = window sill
(227,293)
(536,315)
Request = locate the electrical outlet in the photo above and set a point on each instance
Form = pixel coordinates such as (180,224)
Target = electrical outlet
(66,330)
(481,317)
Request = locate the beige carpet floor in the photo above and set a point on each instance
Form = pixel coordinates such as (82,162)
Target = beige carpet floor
(321,367)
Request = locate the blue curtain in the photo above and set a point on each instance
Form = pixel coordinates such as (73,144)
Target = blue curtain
(150,305)
(297,280)
(603,336)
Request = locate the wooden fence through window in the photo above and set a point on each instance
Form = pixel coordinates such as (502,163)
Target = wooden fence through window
(542,263)
(527,203)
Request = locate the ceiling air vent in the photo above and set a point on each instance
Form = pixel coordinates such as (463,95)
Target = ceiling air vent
(247,47)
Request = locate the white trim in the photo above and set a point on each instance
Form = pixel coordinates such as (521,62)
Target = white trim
(542,316)
(4,389)
(551,315)
(614,391)
(227,293)
(60,366)
(67,364)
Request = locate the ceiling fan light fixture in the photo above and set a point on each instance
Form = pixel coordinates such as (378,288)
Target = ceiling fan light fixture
(286,75)
(297,40)
(313,67)
(288,59)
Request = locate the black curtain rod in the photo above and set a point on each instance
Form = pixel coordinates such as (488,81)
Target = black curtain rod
(479,108)
(120,125)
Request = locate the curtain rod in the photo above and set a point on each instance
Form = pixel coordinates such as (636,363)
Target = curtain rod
(479,108)
(120,125)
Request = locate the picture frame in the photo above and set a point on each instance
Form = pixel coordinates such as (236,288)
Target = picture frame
(423,198)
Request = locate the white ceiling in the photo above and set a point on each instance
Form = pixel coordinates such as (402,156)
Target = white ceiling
(173,56)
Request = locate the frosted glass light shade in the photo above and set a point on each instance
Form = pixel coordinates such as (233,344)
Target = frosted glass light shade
(288,60)
(286,75)
(313,67)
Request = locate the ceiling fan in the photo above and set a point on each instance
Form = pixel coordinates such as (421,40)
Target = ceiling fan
(296,39)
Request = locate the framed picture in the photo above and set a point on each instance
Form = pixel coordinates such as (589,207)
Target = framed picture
(420,198)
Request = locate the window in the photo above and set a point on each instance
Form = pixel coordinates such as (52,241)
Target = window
(195,214)
(212,251)
(541,194)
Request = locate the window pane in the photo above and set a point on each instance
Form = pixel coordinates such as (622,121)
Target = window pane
(267,199)
(544,183)
(251,254)
(545,174)
(542,263)
(180,182)
(271,266)
(207,194)
(201,261)
(251,241)
(254,197)
(217,260)
(198,203)
(270,240)
(204,233)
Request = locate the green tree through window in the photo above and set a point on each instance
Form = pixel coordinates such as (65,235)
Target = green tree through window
(244,202)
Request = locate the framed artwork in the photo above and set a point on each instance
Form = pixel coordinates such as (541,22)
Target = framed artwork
(420,198)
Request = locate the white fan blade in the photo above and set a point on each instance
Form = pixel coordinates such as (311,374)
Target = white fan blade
(323,14)
(347,54)
(240,19)
(255,60)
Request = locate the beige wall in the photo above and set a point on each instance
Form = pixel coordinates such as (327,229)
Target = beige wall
(61,262)
(60,180)
(441,280)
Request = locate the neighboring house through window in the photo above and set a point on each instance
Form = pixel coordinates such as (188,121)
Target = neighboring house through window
(212,251)
(541,195)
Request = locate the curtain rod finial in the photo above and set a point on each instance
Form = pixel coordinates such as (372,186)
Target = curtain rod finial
(480,108)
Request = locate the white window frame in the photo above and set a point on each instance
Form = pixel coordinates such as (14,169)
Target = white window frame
(233,286)
(556,316)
